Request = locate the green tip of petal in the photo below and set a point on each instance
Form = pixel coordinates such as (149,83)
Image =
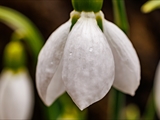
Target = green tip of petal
(74,17)
(14,55)
(87,5)
(99,18)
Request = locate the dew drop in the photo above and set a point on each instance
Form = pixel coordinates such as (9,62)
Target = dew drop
(70,53)
(90,49)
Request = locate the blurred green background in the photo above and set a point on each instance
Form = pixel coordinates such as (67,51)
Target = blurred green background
(144,33)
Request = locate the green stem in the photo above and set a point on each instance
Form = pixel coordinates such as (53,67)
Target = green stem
(87,5)
(120,19)
(150,111)
(120,16)
(117,100)
(24,26)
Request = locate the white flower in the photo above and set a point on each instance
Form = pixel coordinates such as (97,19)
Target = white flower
(16,95)
(86,62)
(157,90)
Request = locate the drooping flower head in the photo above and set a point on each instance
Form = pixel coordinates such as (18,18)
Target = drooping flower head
(16,95)
(16,87)
(86,56)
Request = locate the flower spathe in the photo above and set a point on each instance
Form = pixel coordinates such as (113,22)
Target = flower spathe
(86,61)
(16,95)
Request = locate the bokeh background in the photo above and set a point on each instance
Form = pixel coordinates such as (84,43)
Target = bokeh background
(144,33)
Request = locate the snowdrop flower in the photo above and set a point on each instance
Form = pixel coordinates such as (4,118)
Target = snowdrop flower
(16,89)
(85,59)
(157,90)
(16,95)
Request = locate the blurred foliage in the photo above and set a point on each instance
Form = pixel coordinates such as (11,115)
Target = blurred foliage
(14,58)
(23,27)
(150,5)
(132,112)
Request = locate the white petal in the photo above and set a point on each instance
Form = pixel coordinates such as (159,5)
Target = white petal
(127,67)
(56,86)
(48,63)
(157,90)
(88,66)
(16,95)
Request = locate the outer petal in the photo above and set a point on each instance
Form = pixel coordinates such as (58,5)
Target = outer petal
(16,96)
(47,74)
(127,67)
(157,90)
(88,66)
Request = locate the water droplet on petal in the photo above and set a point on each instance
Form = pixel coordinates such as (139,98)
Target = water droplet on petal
(91,49)
(70,53)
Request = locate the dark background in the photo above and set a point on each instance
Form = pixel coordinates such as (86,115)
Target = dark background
(47,15)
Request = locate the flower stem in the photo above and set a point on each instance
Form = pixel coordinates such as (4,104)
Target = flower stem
(117,103)
(23,27)
(150,108)
(87,5)
(120,17)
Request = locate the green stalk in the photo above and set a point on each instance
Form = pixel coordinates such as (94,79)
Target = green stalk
(117,102)
(87,5)
(120,19)
(150,111)
(25,28)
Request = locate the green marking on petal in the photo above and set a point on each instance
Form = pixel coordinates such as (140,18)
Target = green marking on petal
(74,18)
(99,18)
(99,22)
